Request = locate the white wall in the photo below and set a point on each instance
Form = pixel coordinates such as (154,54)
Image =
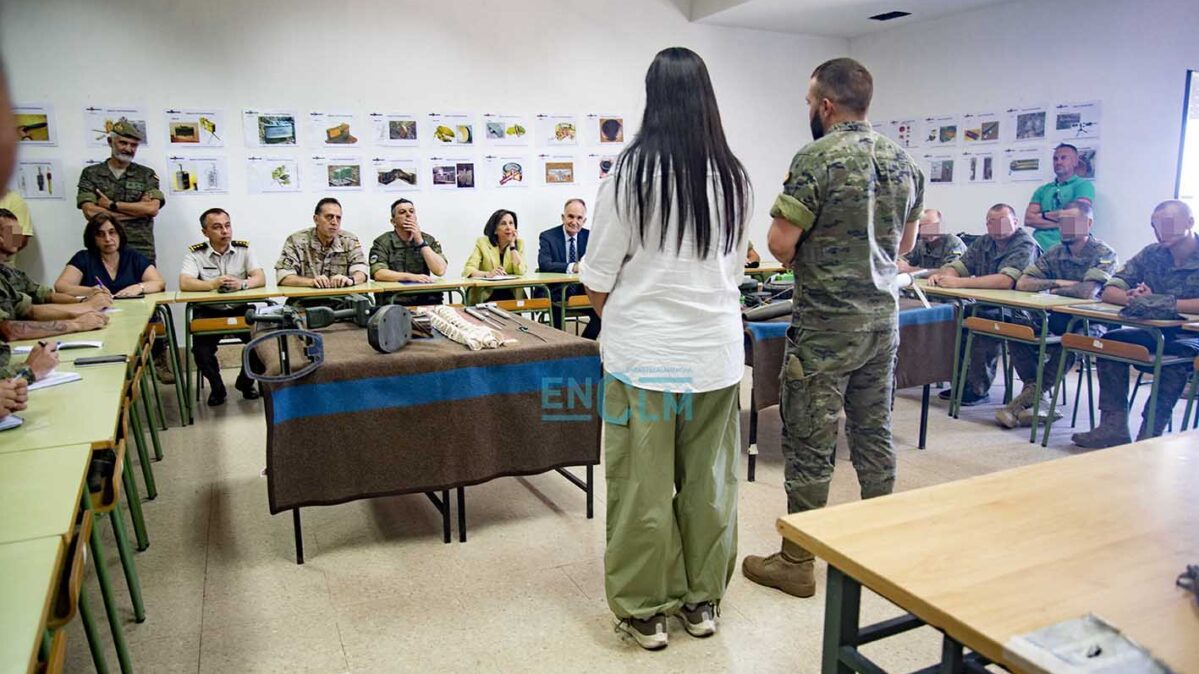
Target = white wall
(416,56)
(1131,55)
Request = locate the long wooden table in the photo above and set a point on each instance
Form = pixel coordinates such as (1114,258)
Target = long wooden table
(28,571)
(993,557)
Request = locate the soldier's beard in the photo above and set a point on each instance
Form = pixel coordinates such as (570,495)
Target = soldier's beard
(817,127)
(124,158)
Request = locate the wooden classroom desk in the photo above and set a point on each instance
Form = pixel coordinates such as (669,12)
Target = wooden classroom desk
(122,335)
(542,279)
(237,296)
(40,491)
(1110,313)
(28,572)
(84,412)
(439,285)
(1014,299)
(996,556)
(299,291)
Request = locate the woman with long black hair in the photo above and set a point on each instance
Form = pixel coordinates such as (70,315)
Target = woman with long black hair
(662,269)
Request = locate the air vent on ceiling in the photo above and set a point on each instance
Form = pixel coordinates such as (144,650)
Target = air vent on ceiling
(887,16)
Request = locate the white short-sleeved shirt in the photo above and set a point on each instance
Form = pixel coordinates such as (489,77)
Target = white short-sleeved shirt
(671,322)
(205,264)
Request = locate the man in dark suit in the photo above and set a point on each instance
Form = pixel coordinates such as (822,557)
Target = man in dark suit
(559,251)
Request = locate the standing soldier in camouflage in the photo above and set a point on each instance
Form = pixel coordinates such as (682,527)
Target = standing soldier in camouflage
(933,249)
(407,254)
(1160,280)
(1077,267)
(124,188)
(847,212)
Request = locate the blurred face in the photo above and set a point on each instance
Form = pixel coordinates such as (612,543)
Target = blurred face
(1171,226)
(123,149)
(404,214)
(1073,225)
(1064,162)
(930,225)
(107,239)
(219,230)
(10,236)
(1001,224)
(506,230)
(574,217)
(328,221)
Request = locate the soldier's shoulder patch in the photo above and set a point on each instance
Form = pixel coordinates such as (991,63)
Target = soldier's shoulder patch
(374,259)
(241,244)
(197,247)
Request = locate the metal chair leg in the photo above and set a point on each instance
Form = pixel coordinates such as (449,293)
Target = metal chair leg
(127,563)
(143,456)
(135,505)
(148,409)
(89,630)
(960,384)
(110,601)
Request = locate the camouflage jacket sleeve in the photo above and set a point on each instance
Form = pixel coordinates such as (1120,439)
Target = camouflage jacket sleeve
(356,258)
(799,202)
(1104,267)
(1131,274)
(154,190)
(970,260)
(290,260)
(1039,268)
(380,253)
(955,248)
(87,190)
(1019,255)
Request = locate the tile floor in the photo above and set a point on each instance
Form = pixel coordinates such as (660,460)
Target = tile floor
(381,593)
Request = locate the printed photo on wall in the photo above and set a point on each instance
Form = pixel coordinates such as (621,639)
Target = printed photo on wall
(605,129)
(38,179)
(337,174)
(939,168)
(1077,121)
(555,130)
(981,128)
(558,169)
(35,125)
(394,129)
(1028,164)
(197,175)
(334,128)
(396,175)
(977,167)
(506,130)
(941,131)
(1088,161)
(98,122)
(452,173)
(269,129)
(1027,124)
(598,166)
(452,128)
(507,172)
(195,128)
(272,174)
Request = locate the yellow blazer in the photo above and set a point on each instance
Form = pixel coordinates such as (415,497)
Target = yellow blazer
(486,257)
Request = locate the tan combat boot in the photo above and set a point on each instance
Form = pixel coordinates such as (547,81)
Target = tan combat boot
(790,570)
(1111,431)
(162,367)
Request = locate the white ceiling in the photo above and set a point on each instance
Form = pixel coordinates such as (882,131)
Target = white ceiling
(834,18)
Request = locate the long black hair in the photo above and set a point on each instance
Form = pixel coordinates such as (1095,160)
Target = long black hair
(680,141)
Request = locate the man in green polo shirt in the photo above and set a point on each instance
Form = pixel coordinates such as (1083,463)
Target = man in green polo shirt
(1049,199)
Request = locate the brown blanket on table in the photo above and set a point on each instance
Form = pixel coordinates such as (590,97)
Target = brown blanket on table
(431,416)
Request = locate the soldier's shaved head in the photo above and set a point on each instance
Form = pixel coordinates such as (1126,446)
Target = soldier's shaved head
(845,82)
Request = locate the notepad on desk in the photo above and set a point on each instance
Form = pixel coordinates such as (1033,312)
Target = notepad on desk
(63,346)
(54,379)
(504,277)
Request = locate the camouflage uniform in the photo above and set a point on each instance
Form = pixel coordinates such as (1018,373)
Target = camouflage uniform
(984,257)
(851,192)
(1153,266)
(1097,262)
(137,181)
(304,255)
(389,251)
(17,293)
(937,253)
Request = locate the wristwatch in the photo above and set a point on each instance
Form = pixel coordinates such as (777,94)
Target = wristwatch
(112,206)
(243,285)
(26,373)
(423,244)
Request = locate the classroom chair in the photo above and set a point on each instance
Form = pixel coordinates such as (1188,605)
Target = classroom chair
(71,598)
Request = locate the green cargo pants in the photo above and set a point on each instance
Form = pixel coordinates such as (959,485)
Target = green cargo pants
(822,373)
(671,468)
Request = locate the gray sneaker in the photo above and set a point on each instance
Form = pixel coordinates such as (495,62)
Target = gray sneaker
(649,633)
(699,619)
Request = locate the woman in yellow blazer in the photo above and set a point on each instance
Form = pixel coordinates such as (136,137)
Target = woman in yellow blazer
(497,252)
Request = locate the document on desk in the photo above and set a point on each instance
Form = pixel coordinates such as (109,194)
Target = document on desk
(62,346)
(10,421)
(502,277)
(1086,645)
(54,379)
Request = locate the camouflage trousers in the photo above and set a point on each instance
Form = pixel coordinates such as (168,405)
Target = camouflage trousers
(1113,376)
(1024,356)
(140,237)
(824,372)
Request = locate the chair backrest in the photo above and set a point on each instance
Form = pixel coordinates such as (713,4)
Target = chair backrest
(1107,347)
(220,324)
(70,582)
(110,490)
(1001,328)
(578,302)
